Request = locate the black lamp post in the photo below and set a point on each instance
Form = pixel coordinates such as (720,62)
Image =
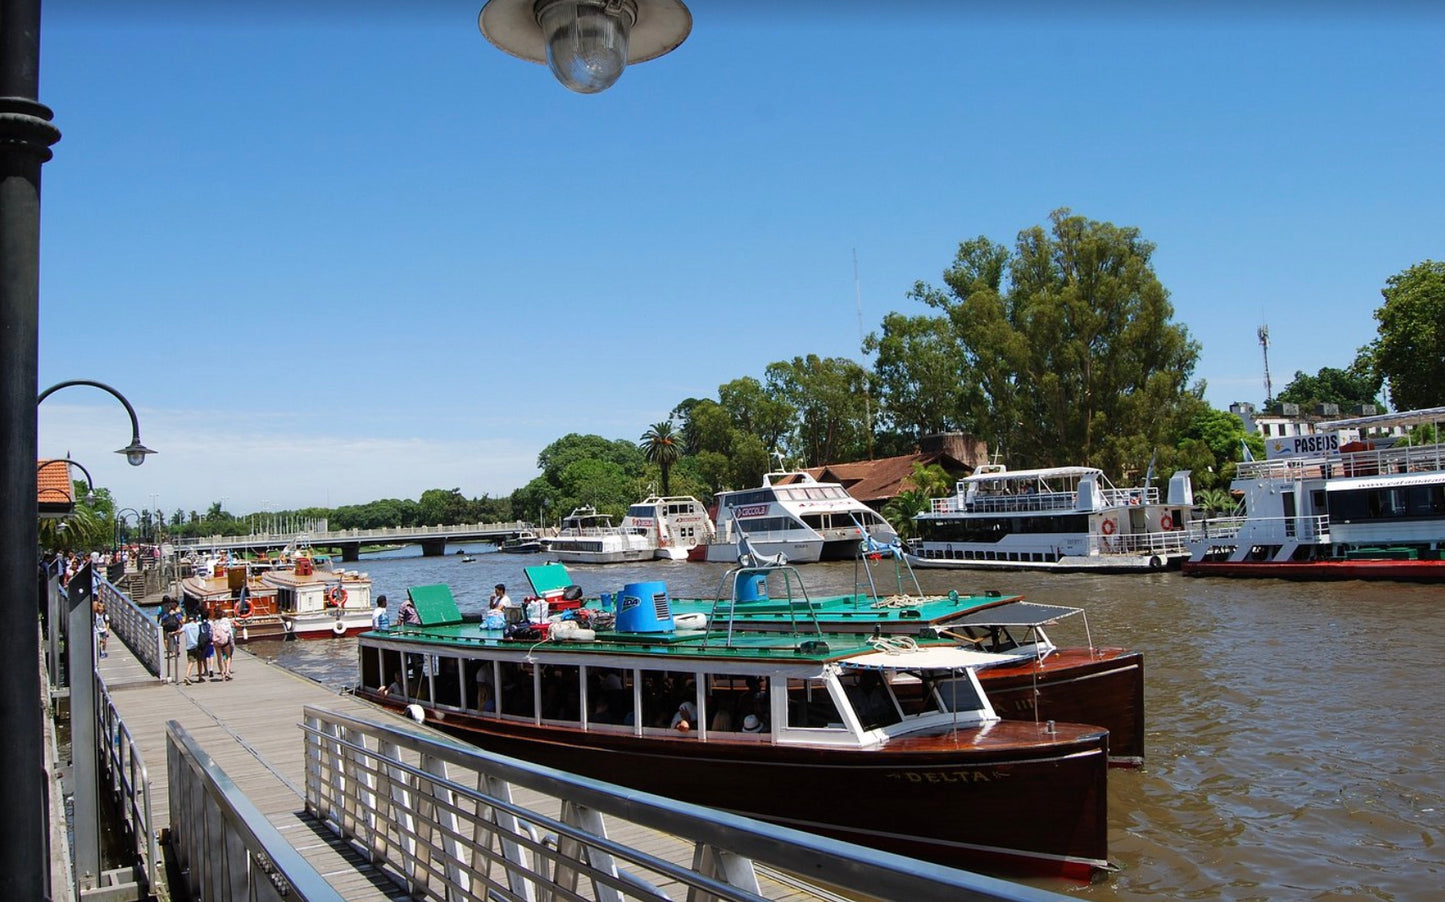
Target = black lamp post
(120,523)
(26,135)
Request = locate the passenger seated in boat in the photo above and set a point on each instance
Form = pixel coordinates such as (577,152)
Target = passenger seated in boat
(721,718)
(685,717)
(486,701)
(394,687)
(871,701)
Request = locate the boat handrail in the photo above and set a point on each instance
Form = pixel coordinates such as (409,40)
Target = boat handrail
(1371,462)
(1314,529)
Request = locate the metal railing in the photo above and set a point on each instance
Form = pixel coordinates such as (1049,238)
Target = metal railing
(124,771)
(135,626)
(374,536)
(443,820)
(223,845)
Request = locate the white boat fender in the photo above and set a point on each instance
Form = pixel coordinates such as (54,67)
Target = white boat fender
(571,631)
(338,628)
(694,621)
(416,713)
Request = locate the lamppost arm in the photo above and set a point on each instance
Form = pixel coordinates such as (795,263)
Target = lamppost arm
(135,453)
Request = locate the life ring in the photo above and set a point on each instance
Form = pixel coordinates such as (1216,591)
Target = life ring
(338,628)
(664,541)
(1156,562)
(1166,522)
(336,596)
(243,608)
(1108,527)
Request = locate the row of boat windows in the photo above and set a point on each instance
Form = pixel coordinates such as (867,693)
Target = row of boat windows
(649,510)
(730,703)
(994,529)
(961,554)
(786,493)
(1400,502)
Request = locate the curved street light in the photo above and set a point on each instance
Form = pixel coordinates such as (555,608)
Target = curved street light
(120,522)
(90,480)
(135,453)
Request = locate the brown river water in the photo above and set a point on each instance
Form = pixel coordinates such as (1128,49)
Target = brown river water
(1295,731)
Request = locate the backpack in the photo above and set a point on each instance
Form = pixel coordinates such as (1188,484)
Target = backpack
(203,634)
(171,621)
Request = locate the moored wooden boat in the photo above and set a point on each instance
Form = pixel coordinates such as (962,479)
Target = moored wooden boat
(1029,677)
(834,733)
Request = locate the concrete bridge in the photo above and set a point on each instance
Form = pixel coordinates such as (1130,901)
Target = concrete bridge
(432,539)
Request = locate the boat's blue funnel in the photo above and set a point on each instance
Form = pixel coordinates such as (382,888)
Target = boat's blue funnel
(752,586)
(644,608)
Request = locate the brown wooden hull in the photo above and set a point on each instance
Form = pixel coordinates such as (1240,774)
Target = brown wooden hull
(1009,798)
(1403,570)
(1100,686)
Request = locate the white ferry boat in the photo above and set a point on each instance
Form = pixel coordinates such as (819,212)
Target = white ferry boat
(587,537)
(1326,507)
(1057,518)
(672,523)
(793,515)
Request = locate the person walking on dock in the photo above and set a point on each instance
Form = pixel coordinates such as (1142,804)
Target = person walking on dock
(191,639)
(223,639)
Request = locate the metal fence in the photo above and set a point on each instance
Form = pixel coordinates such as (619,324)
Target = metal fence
(223,846)
(124,773)
(136,627)
(448,821)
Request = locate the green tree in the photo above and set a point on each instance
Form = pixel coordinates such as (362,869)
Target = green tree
(1075,359)
(832,416)
(903,507)
(1409,351)
(660,446)
(920,375)
(1348,388)
(443,507)
(757,410)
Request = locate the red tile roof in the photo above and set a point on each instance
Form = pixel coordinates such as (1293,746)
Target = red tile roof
(54,492)
(876,482)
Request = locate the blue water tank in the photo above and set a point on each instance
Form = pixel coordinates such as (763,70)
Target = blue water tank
(752,585)
(644,608)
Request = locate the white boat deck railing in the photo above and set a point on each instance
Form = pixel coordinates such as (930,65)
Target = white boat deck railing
(1261,530)
(447,820)
(1377,462)
(1171,541)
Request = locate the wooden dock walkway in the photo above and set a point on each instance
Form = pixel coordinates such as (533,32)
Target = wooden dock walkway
(250,727)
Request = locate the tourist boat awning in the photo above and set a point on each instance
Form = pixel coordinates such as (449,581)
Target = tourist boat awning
(1018,613)
(942,658)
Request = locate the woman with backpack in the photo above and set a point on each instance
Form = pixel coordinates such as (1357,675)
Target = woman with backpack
(223,639)
(204,648)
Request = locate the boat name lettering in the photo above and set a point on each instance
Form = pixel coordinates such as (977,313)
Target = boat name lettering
(1292,445)
(934,776)
(751,510)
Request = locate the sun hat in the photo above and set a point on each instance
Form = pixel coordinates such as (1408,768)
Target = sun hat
(751,724)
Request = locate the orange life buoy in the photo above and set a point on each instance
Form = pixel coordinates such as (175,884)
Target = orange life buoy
(1108,527)
(337,596)
(1166,522)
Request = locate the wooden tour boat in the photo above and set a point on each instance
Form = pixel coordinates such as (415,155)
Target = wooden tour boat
(885,743)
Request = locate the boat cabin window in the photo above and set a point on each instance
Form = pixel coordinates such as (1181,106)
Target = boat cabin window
(561,693)
(811,706)
(736,704)
(957,693)
(872,698)
(664,695)
(516,693)
(609,696)
(479,679)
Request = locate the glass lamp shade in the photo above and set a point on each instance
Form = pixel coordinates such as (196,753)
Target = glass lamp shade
(586,42)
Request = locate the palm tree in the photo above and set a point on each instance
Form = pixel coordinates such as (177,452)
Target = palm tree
(659,446)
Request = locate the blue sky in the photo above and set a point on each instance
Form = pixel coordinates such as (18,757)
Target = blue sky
(356,252)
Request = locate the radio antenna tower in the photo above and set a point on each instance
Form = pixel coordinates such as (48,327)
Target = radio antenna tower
(1264,343)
